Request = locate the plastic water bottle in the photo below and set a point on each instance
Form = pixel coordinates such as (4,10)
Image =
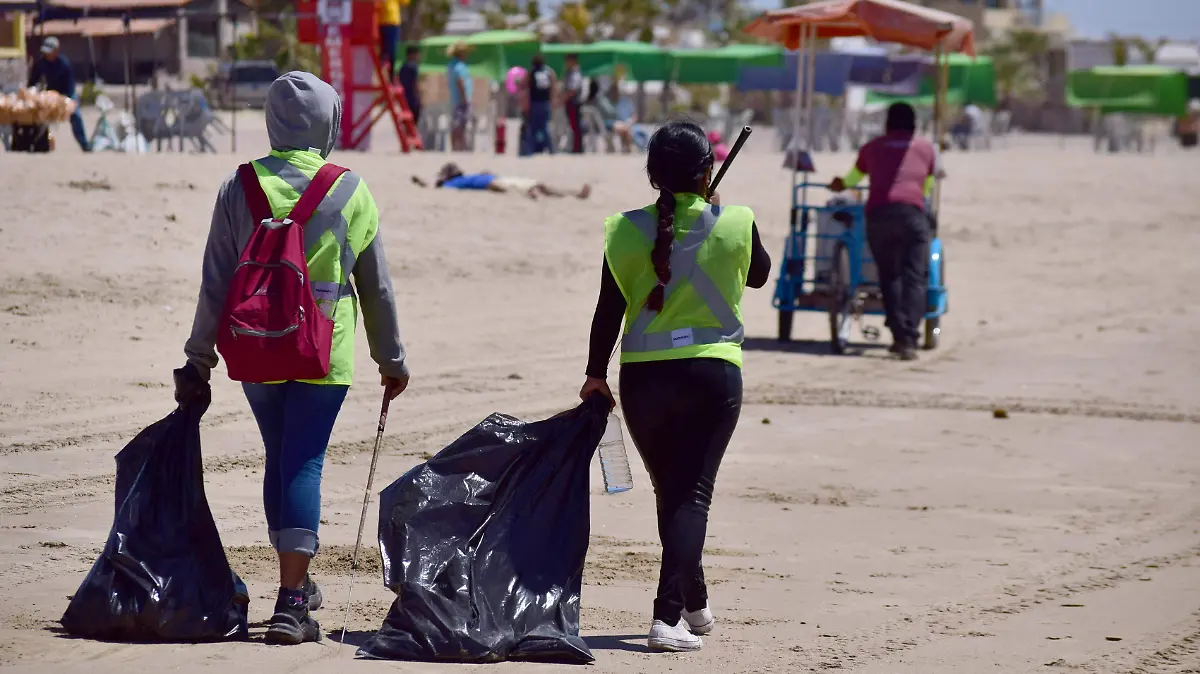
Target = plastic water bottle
(614,461)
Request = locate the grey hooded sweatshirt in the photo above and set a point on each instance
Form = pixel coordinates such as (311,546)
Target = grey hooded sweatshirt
(303,113)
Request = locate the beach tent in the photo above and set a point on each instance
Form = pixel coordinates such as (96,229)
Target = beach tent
(881,20)
(1146,90)
(969,80)
(493,52)
(722,65)
(639,61)
(835,71)
(643,62)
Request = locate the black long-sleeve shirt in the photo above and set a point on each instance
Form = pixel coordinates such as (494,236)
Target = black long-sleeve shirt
(610,307)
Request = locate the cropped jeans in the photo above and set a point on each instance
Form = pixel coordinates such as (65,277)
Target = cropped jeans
(295,421)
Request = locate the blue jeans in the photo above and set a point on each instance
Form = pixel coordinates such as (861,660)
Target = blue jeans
(79,132)
(295,420)
(539,128)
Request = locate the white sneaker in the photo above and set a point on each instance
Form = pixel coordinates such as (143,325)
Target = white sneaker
(701,622)
(673,638)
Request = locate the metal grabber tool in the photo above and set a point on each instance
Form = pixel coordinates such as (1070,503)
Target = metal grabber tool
(362,520)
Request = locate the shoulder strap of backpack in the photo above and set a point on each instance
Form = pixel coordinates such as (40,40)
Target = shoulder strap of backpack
(321,183)
(256,199)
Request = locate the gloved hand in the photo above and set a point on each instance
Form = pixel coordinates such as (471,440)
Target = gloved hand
(188,383)
(393,386)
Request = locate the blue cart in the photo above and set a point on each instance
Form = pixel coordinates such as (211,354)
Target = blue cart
(827,267)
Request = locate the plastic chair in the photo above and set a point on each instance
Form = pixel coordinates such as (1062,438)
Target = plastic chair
(1002,125)
(595,131)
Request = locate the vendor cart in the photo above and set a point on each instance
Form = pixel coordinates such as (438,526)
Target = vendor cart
(826,265)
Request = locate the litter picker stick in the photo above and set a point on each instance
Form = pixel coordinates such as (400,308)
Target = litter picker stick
(362,520)
(737,145)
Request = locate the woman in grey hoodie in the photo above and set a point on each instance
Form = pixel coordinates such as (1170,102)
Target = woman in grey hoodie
(296,418)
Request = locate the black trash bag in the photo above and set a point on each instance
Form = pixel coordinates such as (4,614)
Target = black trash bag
(485,544)
(163,575)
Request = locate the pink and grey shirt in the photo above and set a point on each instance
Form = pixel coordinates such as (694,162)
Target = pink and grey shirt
(901,167)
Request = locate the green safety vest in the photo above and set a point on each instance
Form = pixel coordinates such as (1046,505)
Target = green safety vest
(337,233)
(710,258)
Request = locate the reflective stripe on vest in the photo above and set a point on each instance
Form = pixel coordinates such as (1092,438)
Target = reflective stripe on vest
(684,266)
(327,218)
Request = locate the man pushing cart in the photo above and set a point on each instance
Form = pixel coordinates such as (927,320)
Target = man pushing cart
(826,266)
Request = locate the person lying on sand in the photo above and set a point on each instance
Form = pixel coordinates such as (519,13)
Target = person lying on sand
(452,176)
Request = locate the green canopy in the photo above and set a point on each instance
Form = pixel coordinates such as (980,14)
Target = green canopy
(1147,90)
(640,61)
(969,80)
(722,65)
(493,53)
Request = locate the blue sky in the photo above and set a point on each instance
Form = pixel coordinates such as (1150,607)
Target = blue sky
(1175,19)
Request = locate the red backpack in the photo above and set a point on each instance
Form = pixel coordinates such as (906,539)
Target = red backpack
(271,328)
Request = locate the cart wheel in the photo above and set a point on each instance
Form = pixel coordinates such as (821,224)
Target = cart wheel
(933,332)
(841,300)
(785,326)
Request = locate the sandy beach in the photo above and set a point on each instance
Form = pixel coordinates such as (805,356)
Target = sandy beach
(870,516)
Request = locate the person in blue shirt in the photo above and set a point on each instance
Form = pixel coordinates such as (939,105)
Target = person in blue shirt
(452,177)
(459,80)
(53,73)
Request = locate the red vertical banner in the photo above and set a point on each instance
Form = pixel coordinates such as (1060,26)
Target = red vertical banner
(337,62)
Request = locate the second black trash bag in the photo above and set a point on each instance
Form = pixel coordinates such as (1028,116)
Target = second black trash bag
(484,544)
(163,575)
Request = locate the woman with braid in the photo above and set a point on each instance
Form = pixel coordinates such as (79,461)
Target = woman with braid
(676,272)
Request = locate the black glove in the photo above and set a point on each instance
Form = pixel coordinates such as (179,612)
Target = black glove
(188,383)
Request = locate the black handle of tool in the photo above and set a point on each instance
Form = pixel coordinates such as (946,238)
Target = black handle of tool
(737,145)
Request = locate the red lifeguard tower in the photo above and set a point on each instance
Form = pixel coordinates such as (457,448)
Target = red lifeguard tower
(347,35)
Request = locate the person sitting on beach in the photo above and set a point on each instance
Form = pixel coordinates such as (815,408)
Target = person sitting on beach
(1188,126)
(613,122)
(452,177)
(969,124)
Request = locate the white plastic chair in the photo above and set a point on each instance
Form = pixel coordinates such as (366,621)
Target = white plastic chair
(595,131)
(1002,125)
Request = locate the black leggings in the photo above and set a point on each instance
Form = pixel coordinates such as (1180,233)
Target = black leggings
(681,415)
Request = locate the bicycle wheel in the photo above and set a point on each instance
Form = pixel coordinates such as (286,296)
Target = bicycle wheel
(841,300)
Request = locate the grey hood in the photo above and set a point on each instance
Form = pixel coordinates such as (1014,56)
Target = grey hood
(303,113)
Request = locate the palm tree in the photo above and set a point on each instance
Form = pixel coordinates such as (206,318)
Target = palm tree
(1120,49)
(276,40)
(1147,48)
(625,18)
(574,22)
(424,17)
(1019,59)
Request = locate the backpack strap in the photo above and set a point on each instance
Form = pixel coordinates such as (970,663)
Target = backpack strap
(320,185)
(256,199)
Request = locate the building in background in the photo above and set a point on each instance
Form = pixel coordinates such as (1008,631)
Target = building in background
(192,42)
(995,17)
(12,51)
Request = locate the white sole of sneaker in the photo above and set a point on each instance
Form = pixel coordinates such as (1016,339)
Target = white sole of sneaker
(663,645)
(701,630)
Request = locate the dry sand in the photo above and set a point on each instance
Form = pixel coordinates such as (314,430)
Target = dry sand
(870,516)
